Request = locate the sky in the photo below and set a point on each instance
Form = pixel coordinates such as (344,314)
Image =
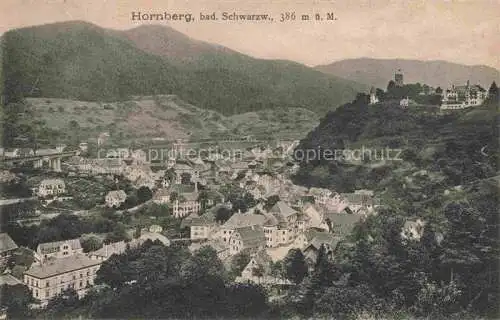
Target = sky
(462,31)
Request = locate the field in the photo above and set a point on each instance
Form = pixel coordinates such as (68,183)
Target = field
(166,117)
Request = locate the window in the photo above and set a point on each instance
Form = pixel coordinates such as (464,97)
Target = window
(88,273)
(47,284)
(81,275)
(36,293)
(81,284)
(47,293)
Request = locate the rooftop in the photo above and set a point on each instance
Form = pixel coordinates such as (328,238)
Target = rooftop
(50,246)
(244,220)
(6,243)
(56,267)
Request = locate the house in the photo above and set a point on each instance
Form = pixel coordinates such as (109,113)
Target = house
(155,228)
(9,280)
(281,225)
(115,198)
(6,176)
(186,204)
(161,196)
(304,238)
(247,238)
(7,247)
(404,103)
(203,226)
(413,229)
(341,224)
(359,200)
(59,249)
(327,240)
(258,267)
(315,213)
(51,187)
(238,220)
(52,277)
(108,250)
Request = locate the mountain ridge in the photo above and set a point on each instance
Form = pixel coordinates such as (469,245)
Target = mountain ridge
(378,72)
(81,61)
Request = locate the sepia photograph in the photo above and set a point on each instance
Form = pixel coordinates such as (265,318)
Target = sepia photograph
(232,159)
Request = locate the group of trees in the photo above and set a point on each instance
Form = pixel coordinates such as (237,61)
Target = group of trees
(452,271)
(63,227)
(154,281)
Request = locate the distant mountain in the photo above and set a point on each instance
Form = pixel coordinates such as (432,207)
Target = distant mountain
(81,61)
(378,72)
(170,43)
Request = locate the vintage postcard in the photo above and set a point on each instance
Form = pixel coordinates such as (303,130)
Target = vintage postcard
(282,159)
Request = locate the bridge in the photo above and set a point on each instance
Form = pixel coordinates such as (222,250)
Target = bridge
(53,159)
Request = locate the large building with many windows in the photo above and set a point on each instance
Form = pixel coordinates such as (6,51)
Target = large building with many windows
(52,277)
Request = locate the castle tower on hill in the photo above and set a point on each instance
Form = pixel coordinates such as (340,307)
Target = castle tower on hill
(398,78)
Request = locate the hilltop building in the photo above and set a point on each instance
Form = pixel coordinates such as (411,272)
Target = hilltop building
(398,78)
(460,97)
(373,96)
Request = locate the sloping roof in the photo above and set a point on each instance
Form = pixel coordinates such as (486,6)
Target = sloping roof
(55,267)
(162,192)
(190,196)
(109,249)
(203,220)
(324,238)
(9,280)
(51,246)
(283,209)
(358,198)
(262,259)
(244,220)
(6,243)
(343,223)
(252,236)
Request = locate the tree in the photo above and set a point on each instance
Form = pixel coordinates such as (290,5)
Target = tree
(91,244)
(391,86)
(271,201)
(295,266)
(238,262)
(493,91)
(144,194)
(222,214)
(63,303)
(16,299)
